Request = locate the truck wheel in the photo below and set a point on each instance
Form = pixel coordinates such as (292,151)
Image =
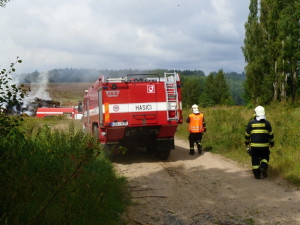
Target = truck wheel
(151,148)
(163,151)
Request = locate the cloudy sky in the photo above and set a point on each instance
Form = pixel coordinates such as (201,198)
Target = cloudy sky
(122,34)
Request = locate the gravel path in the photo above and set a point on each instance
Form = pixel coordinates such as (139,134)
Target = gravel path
(203,189)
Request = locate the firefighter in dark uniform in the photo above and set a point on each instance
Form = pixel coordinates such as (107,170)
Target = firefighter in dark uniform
(196,128)
(259,137)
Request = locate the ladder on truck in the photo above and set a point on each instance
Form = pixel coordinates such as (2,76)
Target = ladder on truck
(170,80)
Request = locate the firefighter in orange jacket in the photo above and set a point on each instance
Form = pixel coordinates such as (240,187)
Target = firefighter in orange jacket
(259,137)
(196,128)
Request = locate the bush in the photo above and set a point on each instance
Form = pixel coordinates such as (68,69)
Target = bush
(57,177)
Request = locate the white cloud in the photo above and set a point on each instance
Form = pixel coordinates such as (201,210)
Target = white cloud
(174,34)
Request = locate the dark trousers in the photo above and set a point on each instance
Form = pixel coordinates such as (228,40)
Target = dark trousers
(195,138)
(260,159)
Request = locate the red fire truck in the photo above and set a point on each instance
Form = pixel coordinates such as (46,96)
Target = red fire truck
(44,112)
(70,113)
(138,110)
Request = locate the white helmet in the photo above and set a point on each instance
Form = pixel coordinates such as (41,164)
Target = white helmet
(194,106)
(259,111)
(195,109)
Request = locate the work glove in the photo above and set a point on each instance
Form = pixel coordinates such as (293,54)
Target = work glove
(249,150)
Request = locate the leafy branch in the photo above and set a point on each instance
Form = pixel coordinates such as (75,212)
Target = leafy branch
(3,2)
(11,95)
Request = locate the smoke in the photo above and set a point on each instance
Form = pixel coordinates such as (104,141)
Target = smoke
(38,89)
(37,92)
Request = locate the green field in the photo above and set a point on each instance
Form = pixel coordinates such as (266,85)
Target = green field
(225,135)
(68,94)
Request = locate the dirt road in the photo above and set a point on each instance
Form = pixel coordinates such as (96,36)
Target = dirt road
(203,189)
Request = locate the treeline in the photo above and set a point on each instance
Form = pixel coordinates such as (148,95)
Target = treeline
(272,50)
(197,88)
(215,89)
(90,75)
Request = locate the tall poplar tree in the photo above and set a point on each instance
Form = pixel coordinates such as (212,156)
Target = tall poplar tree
(270,11)
(289,32)
(271,50)
(253,52)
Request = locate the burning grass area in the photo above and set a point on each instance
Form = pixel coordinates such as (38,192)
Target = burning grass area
(67,94)
(51,95)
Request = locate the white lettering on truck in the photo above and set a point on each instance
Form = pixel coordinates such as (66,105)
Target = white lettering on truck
(112,93)
(147,107)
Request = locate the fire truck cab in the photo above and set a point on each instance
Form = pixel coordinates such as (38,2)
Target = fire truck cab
(138,110)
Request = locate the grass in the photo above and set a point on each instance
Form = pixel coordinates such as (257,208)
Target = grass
(68,94)
(225,135)
(57,176)
(58,123)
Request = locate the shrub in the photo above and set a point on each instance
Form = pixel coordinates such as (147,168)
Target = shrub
(57,177)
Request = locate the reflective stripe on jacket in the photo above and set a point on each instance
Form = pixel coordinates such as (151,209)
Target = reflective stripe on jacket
(259,134)
(196,123)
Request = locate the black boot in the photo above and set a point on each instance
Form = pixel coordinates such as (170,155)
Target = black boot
(199,149)
(256,173)
(192,152)
(263,172)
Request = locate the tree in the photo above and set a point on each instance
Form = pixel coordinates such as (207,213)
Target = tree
(270,13)
(235,84)
(253,47)
(222,95)
(289,31)
(11,96)
(192,87)
(271,50)
(216,91)
(207,97)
